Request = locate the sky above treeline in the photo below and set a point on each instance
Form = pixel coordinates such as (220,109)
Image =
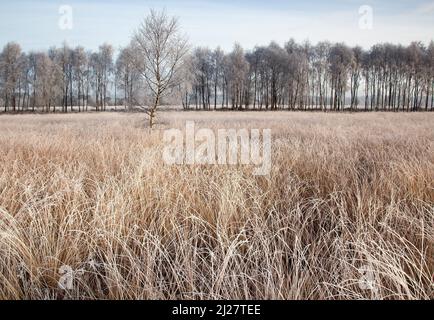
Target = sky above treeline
(34,24)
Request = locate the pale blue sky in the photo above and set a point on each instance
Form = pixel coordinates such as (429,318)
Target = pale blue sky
(34,24)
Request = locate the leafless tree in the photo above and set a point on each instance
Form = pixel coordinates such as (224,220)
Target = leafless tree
(162,48)
(106,64)
(128,74)
(10,68)
(187,81)
(80,68)
(340,60)
(217,61)
(238,68)
(203,71)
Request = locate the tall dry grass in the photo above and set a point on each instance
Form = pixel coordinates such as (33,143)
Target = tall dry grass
(346,193)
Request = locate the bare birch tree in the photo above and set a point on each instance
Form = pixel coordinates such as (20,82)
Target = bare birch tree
(162,47)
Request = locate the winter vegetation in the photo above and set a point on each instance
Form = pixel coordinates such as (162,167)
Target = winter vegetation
(347,211)
(158,67)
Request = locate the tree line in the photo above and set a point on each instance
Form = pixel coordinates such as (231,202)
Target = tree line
(66,78)
(313,77)
(152,71)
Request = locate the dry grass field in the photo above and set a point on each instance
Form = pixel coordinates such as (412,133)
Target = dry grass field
(347,211)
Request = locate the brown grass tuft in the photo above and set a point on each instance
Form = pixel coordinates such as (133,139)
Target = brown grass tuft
(345,192)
